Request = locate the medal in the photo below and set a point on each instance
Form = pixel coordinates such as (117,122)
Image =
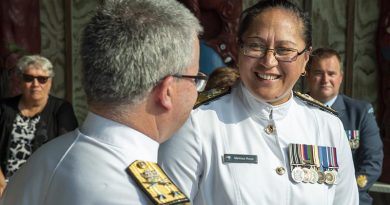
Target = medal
(314,177)
(297,174)
(306,175)
(329,177)
(321,177)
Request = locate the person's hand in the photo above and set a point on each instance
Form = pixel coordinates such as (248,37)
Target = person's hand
(3,183)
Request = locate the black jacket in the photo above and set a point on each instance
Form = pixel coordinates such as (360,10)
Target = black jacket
(56,119)
(359,115)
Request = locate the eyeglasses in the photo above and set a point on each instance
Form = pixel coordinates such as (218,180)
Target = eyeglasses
(255,50)
(29,78)
(200,80)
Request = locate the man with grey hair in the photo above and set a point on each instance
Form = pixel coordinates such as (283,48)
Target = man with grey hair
(140,75)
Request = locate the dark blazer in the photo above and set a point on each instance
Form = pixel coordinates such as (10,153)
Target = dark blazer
(359,115)
(57,118)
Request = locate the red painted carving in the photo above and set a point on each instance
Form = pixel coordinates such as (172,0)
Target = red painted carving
(19,34)
(383,54)
(219,19)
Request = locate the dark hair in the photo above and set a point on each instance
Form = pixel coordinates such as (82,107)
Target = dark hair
(250,13)
(321,53)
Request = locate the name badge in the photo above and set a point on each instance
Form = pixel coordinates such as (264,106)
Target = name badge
(240,158)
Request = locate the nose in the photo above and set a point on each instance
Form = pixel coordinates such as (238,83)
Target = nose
(269,60)
(324,78)
(35,82)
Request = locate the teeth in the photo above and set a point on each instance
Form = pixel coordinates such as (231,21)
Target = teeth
(267,77)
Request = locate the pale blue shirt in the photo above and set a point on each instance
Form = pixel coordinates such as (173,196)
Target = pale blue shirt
(86,166)
(330,102)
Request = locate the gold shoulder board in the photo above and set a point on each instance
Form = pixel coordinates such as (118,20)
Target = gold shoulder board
(210,95)
(156,184)
(313,102)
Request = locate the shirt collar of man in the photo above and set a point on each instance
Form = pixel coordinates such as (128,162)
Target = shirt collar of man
(331,102)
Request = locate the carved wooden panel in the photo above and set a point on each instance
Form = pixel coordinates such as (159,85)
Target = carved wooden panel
(219,19)
(365,67)
(52,44)
(81,13)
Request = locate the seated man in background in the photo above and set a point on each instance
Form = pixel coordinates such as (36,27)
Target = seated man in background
(324,77)
(140,75)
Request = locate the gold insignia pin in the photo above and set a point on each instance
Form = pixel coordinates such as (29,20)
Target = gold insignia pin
(361,180)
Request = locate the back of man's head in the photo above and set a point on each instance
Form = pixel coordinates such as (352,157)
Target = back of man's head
(129,46)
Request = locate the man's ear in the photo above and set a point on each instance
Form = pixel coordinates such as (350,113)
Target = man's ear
(164,93)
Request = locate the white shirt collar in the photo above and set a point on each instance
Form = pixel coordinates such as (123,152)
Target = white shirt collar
(330,102)
(119,135)
(263,109)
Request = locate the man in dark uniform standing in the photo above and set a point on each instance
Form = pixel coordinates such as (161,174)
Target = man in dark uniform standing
(324,77)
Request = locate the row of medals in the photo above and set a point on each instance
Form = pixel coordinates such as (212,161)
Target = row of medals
(312,175)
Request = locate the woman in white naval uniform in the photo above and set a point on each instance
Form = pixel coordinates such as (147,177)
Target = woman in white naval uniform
(237,148)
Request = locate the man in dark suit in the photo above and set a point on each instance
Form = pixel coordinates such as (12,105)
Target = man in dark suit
(324,77)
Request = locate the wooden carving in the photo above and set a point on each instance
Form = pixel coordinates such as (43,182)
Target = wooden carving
(219,19)
(383,54)
(19,34)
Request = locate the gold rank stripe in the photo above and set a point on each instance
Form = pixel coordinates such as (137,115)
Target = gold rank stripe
(313,102)
(155,183)
(210,95)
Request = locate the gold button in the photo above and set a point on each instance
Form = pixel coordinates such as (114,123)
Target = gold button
(269,129)
(280,170)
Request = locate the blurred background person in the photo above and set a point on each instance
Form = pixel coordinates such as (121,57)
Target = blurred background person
(31,119)
(222,77)
(324,76)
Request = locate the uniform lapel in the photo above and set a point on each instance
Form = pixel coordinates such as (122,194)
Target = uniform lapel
(339,105)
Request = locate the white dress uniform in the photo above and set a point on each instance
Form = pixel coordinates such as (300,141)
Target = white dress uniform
(235,125)
(86,166)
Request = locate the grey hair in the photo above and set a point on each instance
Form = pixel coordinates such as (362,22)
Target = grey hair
(130,45)
(38,61)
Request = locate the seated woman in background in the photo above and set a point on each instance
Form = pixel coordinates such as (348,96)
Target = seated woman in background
(31,119)
(222,77)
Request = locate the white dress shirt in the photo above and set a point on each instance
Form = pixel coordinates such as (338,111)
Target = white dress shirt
(86,166)
(235,124)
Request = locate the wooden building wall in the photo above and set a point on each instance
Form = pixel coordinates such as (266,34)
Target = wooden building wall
(61,27)
(61,42)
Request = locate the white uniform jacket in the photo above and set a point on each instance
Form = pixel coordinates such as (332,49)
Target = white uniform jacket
(235,124)
(86,166)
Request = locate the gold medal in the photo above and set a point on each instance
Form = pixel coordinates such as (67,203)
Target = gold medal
(321,177)
(329,177)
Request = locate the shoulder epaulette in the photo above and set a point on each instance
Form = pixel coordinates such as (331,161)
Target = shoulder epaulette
(210,95)
(156,184)
(313,102)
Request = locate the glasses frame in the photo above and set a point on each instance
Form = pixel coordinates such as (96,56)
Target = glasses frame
(200,80)
(30,78)
(244,47)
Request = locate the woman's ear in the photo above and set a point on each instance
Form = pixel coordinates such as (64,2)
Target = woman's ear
(308,54)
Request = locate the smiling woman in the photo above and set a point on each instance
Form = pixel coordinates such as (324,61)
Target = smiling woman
(31,119)
(260,142)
